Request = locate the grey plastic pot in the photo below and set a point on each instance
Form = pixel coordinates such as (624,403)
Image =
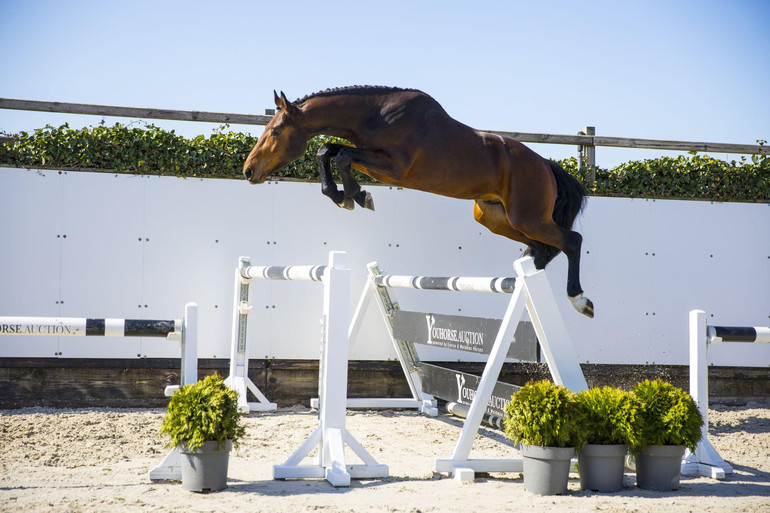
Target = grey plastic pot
(601,467)
(205,469)
(546,469)
(658,467)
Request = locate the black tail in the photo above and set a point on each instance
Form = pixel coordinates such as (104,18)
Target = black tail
(570,197)
(570,201)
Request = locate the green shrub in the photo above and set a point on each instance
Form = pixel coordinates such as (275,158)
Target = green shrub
(148,149)
(693,177)
(542,413)
(667,416)
(203,412)
(608,415)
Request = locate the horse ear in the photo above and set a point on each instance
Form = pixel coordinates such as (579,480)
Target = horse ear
(282,103)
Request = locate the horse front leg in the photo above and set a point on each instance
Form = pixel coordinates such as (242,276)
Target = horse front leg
(378,164)
(328,187)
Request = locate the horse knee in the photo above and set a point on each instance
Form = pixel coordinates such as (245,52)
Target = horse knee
(344,159)
(327,151)
(538,252)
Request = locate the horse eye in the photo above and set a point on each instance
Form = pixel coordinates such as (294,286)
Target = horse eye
(276,132)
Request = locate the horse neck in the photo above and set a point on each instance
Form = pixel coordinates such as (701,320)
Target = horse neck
(334,117)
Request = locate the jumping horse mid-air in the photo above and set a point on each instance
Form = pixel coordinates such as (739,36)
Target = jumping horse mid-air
(403,137)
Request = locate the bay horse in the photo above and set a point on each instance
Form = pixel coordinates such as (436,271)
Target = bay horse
(403,137)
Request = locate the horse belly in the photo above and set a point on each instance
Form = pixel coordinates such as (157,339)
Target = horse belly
(458,167)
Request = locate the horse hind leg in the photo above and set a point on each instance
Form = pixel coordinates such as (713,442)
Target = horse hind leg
(541,253)
(543,246)
(568,241)
(492,215)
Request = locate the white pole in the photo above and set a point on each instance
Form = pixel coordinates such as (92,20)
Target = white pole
(189,373)
(334,367)
(705,461)
(699,379)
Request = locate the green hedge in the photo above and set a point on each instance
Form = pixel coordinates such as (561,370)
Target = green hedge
(148,149)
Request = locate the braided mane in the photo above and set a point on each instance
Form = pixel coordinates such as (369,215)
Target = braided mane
(351,90)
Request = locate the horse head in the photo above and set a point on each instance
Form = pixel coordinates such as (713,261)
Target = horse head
(282,142)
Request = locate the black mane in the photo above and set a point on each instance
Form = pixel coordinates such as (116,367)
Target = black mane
(352,90)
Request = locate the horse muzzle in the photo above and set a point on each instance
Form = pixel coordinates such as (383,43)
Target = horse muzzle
(252,177)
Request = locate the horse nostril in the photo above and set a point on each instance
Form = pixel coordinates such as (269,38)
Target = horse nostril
(248,173)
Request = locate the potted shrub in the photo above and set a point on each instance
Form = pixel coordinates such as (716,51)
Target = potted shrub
(669,422)
(204,422)
(608,418)
(543,418)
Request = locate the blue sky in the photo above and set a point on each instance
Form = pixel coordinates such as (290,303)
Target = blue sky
(682,70)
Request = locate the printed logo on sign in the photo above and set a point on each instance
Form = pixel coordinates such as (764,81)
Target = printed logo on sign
(440,333)
(460,386)
(37,329)
(431,322)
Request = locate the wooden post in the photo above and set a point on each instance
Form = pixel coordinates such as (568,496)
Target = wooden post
(590,154)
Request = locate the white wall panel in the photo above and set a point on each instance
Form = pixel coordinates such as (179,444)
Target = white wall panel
(30,254)
(646,263)
(101,217)
(187,257)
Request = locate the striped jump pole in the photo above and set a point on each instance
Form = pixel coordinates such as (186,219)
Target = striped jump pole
(706,461)
(177,330)
(84,327)
(456,283)
(276,272)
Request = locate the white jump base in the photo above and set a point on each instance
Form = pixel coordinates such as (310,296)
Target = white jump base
(706,461)
(331,436)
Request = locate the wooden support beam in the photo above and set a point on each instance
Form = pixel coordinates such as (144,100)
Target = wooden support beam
(134,112)
(256,119)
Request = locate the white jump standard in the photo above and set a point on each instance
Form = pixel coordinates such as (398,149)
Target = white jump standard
(331,436)
(706,461)
(531,291)
(239,379)
(184,331)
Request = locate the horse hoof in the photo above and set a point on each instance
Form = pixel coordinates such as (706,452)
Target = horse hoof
(347,204)
(583,305)
(364,199)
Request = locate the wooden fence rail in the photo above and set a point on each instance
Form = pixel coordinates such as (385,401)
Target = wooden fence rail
(586,141)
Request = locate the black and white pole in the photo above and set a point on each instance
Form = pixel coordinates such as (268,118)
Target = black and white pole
(182,330)
(706,461)
(85,327)
(503,285)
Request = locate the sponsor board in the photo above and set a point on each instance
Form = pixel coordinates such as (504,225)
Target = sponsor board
(460,387)
(471,334)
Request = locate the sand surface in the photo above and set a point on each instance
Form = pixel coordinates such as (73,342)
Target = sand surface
(97,460)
